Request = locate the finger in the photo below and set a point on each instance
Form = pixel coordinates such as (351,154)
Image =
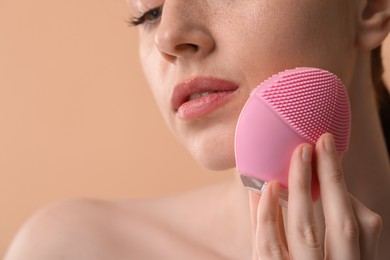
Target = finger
(303,236)
(254,199)
(342,231)
(268,241)
(282,230)
(370,227)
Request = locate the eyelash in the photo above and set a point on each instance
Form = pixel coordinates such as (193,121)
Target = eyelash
(149,17)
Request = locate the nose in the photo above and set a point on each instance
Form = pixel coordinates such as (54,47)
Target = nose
(182,33)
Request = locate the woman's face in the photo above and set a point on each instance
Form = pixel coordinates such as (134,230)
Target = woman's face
(202,58)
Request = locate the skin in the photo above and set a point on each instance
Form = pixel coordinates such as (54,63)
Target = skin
(386,62)
(165,67)
(206,38)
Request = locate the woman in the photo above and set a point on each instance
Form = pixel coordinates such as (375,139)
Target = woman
(232,46)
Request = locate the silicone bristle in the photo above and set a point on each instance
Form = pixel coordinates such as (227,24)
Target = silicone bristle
(312,102)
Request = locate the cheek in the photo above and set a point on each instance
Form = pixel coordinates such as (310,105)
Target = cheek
(298,35)
(160,80)
(152,73)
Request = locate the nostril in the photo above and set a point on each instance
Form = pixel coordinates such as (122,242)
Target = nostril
(194,46)
(187,46)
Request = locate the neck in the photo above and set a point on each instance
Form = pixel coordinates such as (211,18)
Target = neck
(366,164)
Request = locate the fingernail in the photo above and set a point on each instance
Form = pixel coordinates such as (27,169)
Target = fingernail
(307,153)
(329,143)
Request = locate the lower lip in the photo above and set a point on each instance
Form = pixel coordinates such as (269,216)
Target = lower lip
(199,107)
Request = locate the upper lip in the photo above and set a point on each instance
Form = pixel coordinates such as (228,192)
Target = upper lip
(183,90)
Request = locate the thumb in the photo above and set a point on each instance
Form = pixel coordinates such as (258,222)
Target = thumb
(254,199)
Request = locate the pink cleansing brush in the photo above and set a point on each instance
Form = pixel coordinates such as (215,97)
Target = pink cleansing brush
(292,107)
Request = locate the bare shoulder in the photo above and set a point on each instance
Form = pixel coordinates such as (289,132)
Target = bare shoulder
(97,229)
(76,227)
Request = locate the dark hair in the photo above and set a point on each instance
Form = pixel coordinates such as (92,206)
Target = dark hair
(382,93)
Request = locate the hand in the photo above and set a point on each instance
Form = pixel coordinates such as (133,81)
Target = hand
(352,230)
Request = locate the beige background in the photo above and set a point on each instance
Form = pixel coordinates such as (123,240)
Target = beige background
(76,116)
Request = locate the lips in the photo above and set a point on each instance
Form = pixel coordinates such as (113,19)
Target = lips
(202,95)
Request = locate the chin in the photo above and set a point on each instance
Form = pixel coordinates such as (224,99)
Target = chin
(215,157)
(210,141)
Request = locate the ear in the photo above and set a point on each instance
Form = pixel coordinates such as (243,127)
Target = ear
(374,23)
